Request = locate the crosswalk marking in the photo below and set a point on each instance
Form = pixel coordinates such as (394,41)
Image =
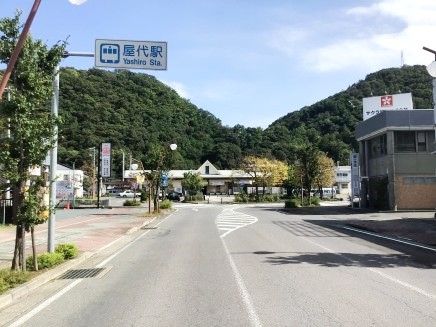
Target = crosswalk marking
(230,220)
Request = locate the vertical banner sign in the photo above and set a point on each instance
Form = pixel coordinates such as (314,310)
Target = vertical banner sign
(105,160)
(355,175)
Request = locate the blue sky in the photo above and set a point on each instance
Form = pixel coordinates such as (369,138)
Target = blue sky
(248,62)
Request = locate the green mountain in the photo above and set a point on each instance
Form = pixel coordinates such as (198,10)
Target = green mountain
(135,111)
(330,123)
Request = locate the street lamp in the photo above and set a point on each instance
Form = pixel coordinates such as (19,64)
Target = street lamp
(138,177)
(431,69)
(54,153)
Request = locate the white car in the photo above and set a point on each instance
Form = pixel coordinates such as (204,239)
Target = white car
(129,194)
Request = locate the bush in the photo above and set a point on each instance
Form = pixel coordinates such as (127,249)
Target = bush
(293,203)
(165,204)
(45,260)
(296,202)
(144,195)
(241,197)
(131,203)
(11,278)
(69,251)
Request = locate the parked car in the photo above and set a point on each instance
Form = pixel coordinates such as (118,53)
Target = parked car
(129,194)
(114,192)
(173,196)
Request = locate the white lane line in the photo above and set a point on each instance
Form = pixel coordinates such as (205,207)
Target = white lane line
(390,238)
(45,304)
(389,277)
(246,298)
(69,287)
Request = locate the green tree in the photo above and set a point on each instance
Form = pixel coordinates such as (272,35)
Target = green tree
(192,182)
(31,124)
(325,176)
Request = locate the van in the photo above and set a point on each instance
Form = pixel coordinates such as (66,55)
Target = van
(114,192)
(326,192)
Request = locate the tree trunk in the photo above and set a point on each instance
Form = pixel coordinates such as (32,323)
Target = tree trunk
(35,256)
(17,199)
(16,261)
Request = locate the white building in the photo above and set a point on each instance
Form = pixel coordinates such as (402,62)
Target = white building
(69,180)
(218,181)
(342,179)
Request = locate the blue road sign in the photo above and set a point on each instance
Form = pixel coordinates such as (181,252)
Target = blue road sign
(131,54)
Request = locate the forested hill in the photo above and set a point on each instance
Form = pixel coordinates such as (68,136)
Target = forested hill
(330,123)
(132,111)
(135,112)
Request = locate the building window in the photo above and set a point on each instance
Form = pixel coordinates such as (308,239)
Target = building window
(344,186)
(206,168)
(410,141)
(66,177)
(377,146)
(421,141)
(341,174)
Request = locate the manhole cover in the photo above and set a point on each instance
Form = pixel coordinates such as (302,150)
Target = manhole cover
(83,273)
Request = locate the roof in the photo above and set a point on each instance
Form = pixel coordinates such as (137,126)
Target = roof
(417,119)
(214,173)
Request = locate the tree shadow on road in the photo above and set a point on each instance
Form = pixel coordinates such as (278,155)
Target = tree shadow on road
(344,259)
(408,256)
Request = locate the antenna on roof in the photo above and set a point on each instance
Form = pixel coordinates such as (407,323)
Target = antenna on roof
(402,58)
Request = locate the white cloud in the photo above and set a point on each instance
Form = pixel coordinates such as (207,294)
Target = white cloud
(179,88)
(380,33)
(286,39)
(77,2)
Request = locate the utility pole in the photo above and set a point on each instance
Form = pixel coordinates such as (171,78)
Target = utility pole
(54,153)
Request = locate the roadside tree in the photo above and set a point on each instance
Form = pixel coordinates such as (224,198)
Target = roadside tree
(265,172)
(192,182)
(31,124)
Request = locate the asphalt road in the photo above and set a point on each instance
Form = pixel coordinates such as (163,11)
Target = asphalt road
(239,266)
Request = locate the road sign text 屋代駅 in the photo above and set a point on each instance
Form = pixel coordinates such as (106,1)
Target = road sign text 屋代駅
(131,54)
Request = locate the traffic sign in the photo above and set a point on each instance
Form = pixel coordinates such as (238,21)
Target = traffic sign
(131,54)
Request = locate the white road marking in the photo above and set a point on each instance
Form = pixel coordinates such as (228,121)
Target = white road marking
(392,279)
(234,220)
(69,287)
(246,298)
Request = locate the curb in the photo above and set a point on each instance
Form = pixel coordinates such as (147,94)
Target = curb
(23,289)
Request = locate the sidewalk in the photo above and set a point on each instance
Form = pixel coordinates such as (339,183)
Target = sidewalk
(89,229)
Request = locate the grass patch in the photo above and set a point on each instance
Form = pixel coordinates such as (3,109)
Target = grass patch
(12,278)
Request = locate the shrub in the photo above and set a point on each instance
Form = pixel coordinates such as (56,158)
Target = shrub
(45,260)
(11,278)
(315,201)
(131,203)
(144,195)
(165,204)
(241,197)
(69,251)
(293,203)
